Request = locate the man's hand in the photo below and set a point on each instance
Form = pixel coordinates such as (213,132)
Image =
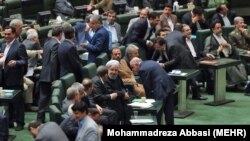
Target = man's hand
(12,63)
(113,96)
(99,108)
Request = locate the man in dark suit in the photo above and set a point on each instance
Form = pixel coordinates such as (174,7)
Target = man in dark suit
(224,15)
(158,85)
(14,67)
(49,72)
(195,19)
(64,9)
(68,58)
(142,32)
(176,57)
(100,41)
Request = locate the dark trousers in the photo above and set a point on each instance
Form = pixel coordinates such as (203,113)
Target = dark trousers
(168,110)
(43,103)
(109,117)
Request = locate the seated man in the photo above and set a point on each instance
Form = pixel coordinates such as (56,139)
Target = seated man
(126,73)
(64,9)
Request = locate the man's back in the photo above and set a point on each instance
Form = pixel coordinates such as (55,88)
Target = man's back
(50,131)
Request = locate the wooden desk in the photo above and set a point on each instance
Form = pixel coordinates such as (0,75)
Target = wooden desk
(182,98)
(220,79)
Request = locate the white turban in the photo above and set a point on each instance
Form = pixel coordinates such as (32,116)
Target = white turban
(112,63)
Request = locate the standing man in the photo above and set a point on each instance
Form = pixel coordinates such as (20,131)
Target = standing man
(49,72)
(114,29)
(15,60)
(67,54)
(100,41)
(158,85)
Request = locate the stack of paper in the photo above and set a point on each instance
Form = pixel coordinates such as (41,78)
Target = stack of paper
(141,105)
(141,121)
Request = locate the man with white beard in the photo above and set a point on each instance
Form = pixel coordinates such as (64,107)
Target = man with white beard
(114,84)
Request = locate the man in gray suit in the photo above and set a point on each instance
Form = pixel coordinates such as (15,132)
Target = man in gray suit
(88,129)
(114,29)
(49,131)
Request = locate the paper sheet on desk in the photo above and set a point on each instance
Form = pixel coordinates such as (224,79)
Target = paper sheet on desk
(141,105)
(141,121)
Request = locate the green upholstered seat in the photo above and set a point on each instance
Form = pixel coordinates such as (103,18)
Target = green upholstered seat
(55,101)
(58,89)
(226,30)
(13,7)
(209,13)
(123,20)
(102,59)
(59,93)
(68,80)
(55,114)
(89,70)
(43,33)
(3,13)
(123,50)
(201,36)
(180,12)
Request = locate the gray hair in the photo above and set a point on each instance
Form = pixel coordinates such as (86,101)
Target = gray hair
(15,22)
(135,60)
(130,48)
(237,19)
(31,33)
(112,63)
(77,86)
(102,70)
(96,18)
(71,93)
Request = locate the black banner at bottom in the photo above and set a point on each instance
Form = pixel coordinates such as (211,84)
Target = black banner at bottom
(206,132)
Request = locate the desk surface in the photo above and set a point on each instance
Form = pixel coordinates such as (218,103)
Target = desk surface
(189,73)
(153,110)
(221,63)
(8,95)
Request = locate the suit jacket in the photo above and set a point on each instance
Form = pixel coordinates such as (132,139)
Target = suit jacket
(50,63)
(89,131)
(187,19)
(173,37)
(102,5)
(70,127)
(137,33)
(156,81)
(50,131)
(117,28)
(179,57)
(98,44)
(131,22)
(102,96)
(64,8)
(69,60)
(218,17)
(199,52)
(163,24)
(13,76)
(81,35)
